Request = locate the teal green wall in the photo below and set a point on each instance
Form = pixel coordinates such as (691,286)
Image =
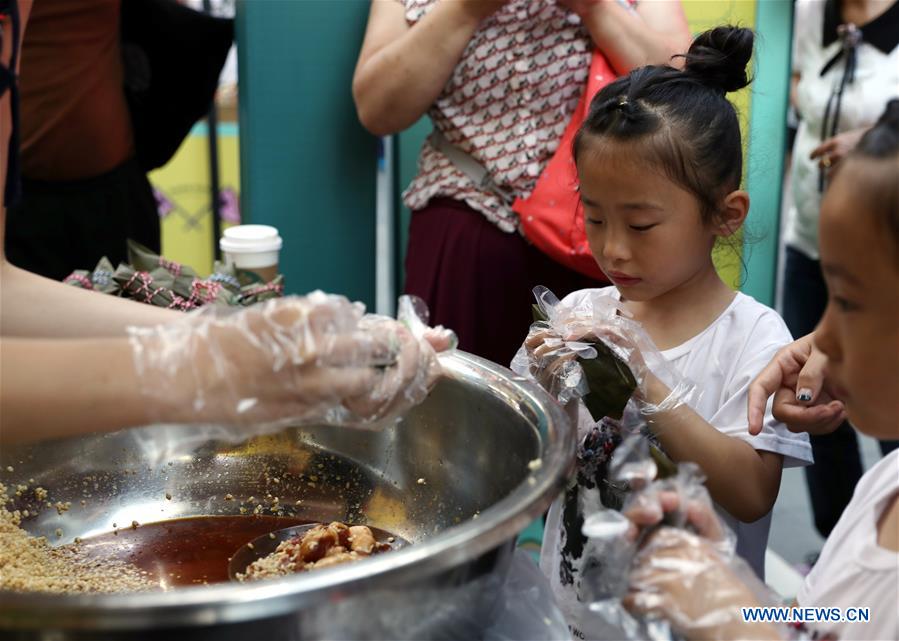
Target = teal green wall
(408,147)
(307,165)
(767,140)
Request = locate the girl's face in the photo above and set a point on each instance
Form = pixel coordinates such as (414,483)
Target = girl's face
(645,231)
(859,332)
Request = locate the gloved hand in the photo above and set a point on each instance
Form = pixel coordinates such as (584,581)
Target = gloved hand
(689,574)
(315,358)
(553,346)
(660,388)
(551,349)
(669,557)
(405,384)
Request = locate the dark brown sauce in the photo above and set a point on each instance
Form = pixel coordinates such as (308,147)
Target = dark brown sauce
(187,551)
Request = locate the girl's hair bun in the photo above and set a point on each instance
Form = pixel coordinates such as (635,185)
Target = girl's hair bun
(718,58)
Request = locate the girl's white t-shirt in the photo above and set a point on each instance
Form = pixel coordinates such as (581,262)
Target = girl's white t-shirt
(853,571)
(722,361)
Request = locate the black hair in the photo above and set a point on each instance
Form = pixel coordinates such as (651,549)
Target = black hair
(881,143)
(683,115)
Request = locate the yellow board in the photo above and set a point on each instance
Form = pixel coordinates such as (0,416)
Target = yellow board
(183,187)
(703,15)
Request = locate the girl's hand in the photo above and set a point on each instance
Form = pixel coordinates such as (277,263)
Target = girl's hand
(684,576)
(830,152)
(649,508)
(796,377)
(549,359)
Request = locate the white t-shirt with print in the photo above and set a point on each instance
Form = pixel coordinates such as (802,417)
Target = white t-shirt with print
(722,361)
(853,570)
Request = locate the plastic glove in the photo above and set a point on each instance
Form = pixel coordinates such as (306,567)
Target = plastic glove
(315,358)
(553,346)
(406,384)
(686,571)
(678,501)
(667,560)
(682,578)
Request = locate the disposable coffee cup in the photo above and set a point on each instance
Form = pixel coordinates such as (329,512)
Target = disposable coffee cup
(253,251)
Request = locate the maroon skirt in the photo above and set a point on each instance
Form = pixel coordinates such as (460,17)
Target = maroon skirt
(477,279)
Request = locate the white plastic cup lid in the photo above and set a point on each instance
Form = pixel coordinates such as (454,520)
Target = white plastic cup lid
(248,239)
(605,525)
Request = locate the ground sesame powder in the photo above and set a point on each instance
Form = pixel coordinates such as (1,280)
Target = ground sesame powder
(31,564)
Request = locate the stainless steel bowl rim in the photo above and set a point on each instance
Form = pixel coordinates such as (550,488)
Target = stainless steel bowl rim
(229,602)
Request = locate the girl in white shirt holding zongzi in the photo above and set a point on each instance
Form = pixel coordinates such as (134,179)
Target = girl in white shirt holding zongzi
(659,163)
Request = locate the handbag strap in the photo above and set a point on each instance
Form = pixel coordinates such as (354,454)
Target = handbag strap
(466,163)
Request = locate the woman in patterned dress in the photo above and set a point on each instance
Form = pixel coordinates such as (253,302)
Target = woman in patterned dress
(500,80)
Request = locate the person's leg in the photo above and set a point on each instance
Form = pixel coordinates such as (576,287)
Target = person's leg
(143,210)
(36,234)
(837,468)
(888,446)
(472,275)
(63,226)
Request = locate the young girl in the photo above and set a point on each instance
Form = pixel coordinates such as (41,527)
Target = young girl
(659,162)
(859,338)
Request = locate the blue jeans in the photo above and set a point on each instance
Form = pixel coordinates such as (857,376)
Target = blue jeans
(838,466)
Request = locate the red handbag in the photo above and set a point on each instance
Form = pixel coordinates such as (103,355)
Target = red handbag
(551,216)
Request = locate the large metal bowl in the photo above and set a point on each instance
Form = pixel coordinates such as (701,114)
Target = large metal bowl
(471,442)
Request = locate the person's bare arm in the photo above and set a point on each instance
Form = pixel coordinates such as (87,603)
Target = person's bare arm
(53,388)
(31,305)
(401,69)
(650,34)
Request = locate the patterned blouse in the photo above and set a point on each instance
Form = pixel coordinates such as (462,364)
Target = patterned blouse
(507,103)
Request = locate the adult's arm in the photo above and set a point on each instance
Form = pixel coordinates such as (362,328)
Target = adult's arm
(34,306)
(401,69)
(51,388)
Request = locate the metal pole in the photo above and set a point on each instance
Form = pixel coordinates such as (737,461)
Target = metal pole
(214,188)
(385,294)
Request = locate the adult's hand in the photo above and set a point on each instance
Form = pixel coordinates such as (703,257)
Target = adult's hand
(633,36)
(833,150)
(297,359)
(796,377)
